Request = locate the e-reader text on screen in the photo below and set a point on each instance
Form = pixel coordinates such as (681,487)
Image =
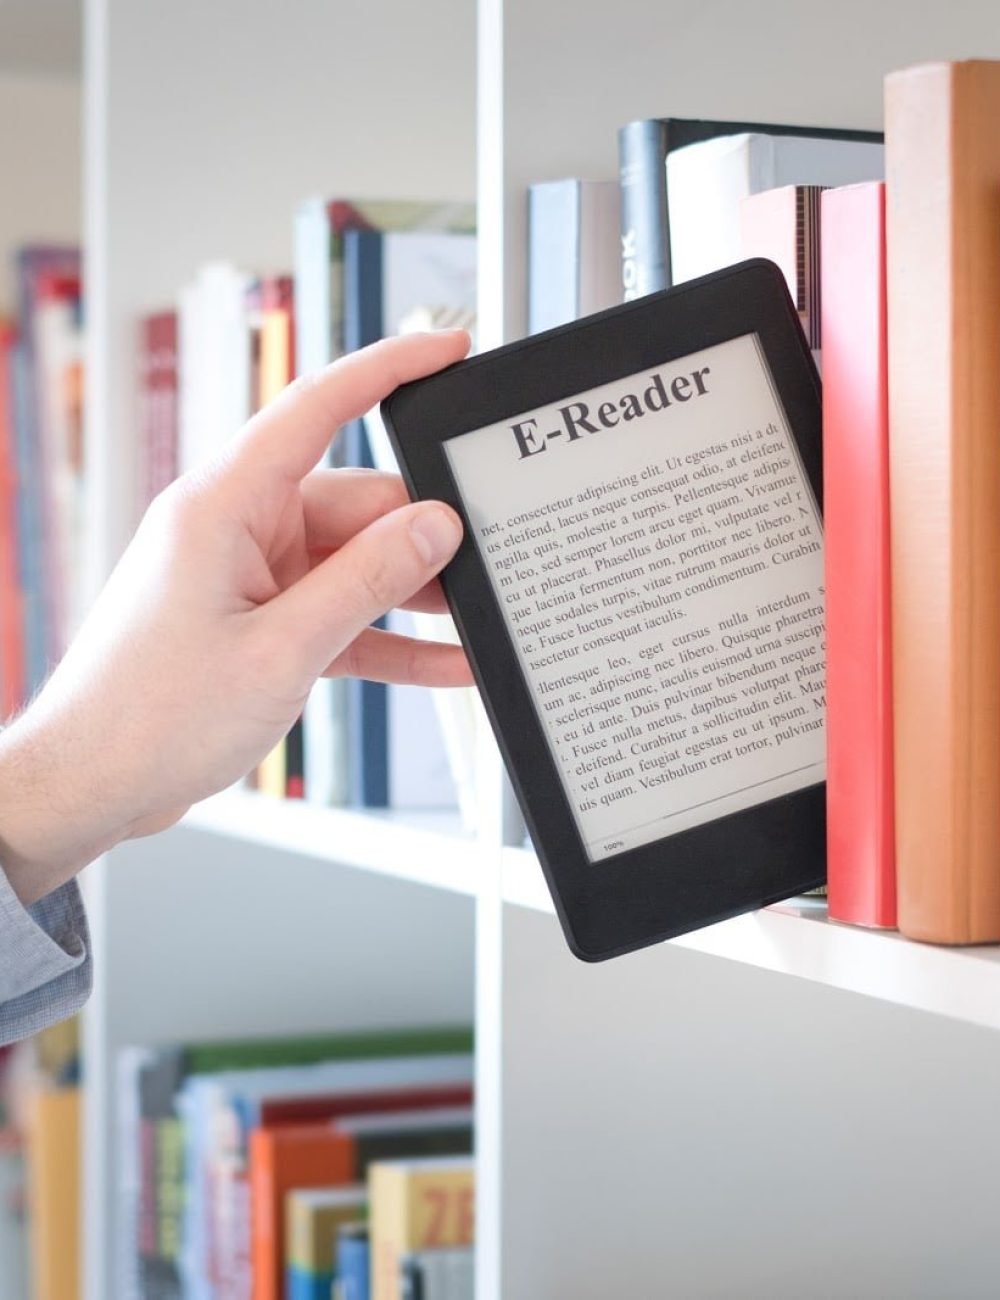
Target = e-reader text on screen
(656,550)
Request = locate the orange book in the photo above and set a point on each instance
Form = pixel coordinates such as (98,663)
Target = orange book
(282,1159)
(12,686)
(942,222)
(54,1193)
(861,865)
(275,370)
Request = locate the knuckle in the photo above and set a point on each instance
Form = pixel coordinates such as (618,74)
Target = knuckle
(377,577)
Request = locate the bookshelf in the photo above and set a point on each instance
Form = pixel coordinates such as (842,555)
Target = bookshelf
(774,1107)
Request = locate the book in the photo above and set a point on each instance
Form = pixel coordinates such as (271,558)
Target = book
(315,1155)
(158,399)
(220,1111)
(643,148)
(574,263)
(320,225)
(943,277)
(154,1223)
(280,774)
(707,181)
(313,1217)
(57,351)
(460,721)
(44,380)
(417,1205)
(861,867)
(784,225)
(386,275)
(438,1274)
(12,685)
(53,1152)
(353,1263)
(213,342)
(14,1260)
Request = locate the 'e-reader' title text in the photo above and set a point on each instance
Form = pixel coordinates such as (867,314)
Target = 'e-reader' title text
(579,418)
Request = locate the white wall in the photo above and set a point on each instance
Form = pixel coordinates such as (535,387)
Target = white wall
(40,149)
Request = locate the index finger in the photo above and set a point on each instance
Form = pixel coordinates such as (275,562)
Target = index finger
(288,437)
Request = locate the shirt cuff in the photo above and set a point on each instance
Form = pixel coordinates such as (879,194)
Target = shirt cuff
(45,965)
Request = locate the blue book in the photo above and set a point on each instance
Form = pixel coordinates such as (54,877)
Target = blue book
(367,703)
(29,523)
(302,1284)
(353,1276)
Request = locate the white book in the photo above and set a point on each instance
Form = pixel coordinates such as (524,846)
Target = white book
(574,251)
(435,272)
(452,733)
(213,362)
(706,183)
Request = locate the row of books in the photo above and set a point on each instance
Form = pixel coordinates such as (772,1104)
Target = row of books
(896,282)
(273,1169)
(41,469)
(230,344)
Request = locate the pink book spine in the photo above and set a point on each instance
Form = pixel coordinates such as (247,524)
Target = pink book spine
(860,821)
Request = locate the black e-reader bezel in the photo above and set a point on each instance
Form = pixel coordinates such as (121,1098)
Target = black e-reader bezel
(694,877)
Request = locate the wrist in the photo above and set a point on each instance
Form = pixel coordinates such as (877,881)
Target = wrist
(54,818)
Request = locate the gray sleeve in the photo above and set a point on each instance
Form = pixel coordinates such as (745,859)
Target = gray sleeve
(45,966)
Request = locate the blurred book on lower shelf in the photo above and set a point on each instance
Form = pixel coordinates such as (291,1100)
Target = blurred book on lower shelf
(421,1208)
(40,1166)
(438,1274)
(214,1136)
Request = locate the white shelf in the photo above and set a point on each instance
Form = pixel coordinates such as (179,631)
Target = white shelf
(428,848)
(797,938)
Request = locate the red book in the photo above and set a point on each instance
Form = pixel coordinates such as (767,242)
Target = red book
(860,822)
(158,413)
(12,685)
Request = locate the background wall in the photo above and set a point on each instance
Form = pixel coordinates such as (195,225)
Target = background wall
(39,165)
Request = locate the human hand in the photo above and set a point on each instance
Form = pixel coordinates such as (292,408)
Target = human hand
(244,582)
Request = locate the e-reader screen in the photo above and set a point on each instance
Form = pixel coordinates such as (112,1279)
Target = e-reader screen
(655,548)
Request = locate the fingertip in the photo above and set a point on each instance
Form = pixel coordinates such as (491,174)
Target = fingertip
(437,532)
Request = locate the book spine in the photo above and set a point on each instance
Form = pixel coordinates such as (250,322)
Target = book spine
(367,702)
(11,604)
(553,254)
(301,1284)
(645,241)
(317,297)
(861,869)
(943,273)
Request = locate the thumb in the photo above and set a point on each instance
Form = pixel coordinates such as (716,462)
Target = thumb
(378,569)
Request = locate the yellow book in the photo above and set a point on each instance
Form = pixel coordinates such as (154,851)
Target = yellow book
(53,1151)
(312,1217)
(424,1204)
(276,370)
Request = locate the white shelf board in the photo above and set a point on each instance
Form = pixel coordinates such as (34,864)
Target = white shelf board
(428,848)
(797,938)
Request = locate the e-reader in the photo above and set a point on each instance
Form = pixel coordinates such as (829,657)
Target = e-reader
(640,595)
